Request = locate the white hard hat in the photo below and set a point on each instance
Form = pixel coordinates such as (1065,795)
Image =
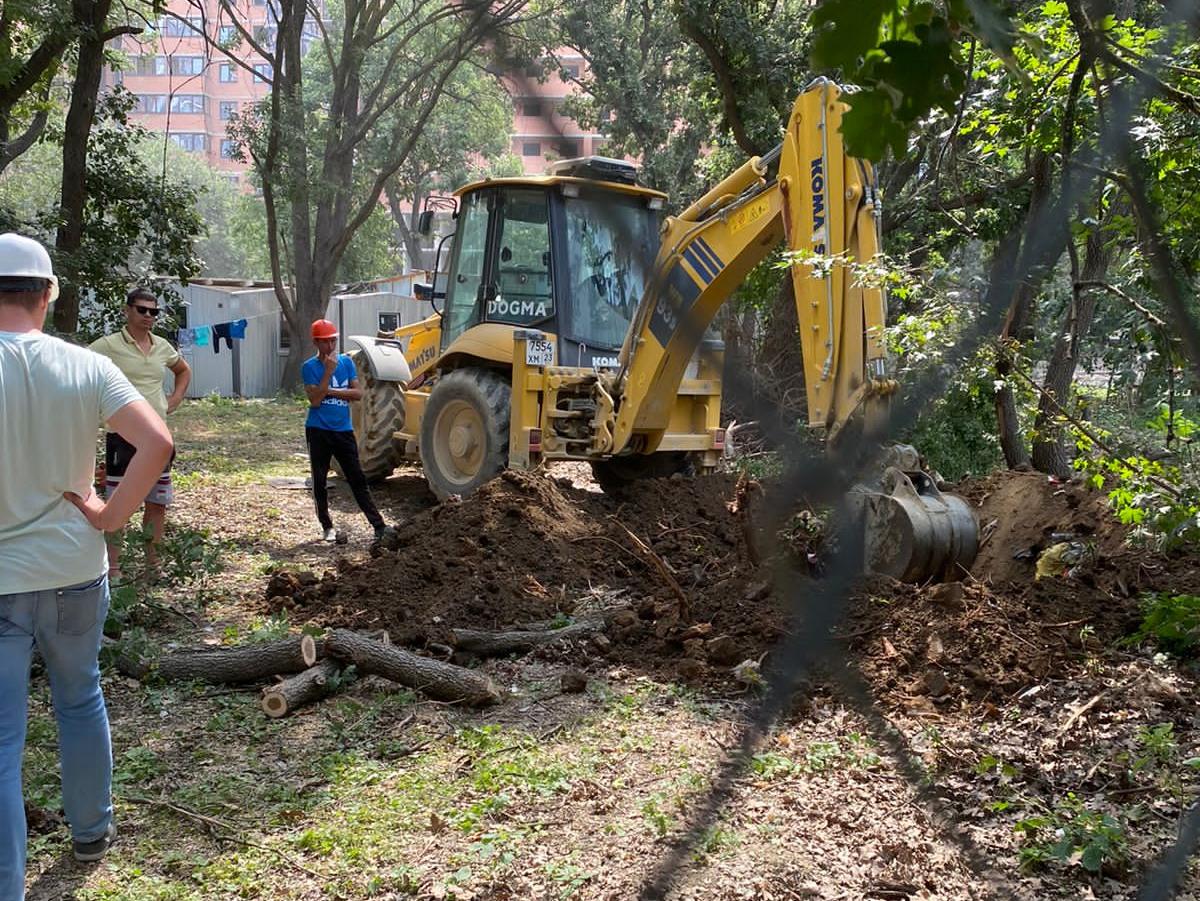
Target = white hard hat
(22,257)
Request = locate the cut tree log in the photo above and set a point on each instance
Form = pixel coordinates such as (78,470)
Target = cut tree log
(441,681)
(248,663)
(284,697)
(496,644)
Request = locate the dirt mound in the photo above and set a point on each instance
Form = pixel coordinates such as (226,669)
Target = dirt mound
(677,567)
(675,555)
(1023,513)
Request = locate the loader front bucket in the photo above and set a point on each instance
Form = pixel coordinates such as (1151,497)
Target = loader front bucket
(913,531)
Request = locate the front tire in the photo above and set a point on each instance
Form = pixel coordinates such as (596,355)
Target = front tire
(464,431)
(376,418)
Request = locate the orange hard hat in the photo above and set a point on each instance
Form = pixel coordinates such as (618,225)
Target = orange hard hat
(323,328)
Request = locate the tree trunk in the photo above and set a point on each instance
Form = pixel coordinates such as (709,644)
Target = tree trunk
(91,16)
(1007,424)
(497,644)
(406,228)
(441,681)
(1017,323)
(248,663)
(282,698)
(1049,450)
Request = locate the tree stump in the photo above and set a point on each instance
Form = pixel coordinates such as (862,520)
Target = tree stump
(284,697)
(441,681)
(248,663)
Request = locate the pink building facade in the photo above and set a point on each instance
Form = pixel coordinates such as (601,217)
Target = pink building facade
(188,90)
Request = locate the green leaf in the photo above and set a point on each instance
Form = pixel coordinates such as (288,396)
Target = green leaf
(1092,858)
(846,30)
(870,126)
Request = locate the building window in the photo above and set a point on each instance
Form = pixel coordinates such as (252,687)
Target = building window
(265,35)
(190,141)
(570,71)
(187,65)
(262,72)
(228,149)
(233,178)
(228,109)
(227,73)
(151,65)
(531,106)
(227,35)
(531,148)
(181,28)
(568,148)
(151,103)
(187,103)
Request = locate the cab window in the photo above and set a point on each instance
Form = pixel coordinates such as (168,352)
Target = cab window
(465,291)
(523,291)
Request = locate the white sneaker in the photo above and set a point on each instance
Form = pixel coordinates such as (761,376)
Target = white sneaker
(329,535)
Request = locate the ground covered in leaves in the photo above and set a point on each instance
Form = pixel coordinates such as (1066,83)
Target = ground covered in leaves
(995,737)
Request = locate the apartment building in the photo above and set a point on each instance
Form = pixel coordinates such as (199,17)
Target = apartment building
(540,131)
(189,90)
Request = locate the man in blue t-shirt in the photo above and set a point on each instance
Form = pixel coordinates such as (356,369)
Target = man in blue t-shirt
(331,383)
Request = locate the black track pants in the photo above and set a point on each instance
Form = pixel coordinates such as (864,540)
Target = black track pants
(323,446)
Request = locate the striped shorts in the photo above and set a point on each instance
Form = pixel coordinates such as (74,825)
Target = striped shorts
(117,454)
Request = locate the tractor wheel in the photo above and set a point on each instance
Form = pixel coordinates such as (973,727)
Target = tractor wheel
(464,431)
(618,474)
(376,418)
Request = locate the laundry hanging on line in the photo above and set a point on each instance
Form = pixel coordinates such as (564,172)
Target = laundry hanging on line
(201,336)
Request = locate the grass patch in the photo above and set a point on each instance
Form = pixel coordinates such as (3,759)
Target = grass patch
(238,442)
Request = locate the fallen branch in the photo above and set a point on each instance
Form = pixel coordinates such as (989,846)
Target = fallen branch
(248,663)
(497,644)
(441,681)
(1095,699)
(230,830)
(282,698)
(660,565)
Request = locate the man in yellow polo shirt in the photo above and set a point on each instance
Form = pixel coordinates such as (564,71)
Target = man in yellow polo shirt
(143,357)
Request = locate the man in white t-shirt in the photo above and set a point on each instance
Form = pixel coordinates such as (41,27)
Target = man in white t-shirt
(54,397)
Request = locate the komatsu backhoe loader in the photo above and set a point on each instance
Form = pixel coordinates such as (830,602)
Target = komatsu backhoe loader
(573,326)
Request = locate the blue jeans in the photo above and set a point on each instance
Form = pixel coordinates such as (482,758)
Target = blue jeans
(66,625)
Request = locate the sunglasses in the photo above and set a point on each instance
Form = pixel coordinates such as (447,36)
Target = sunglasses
(147,311)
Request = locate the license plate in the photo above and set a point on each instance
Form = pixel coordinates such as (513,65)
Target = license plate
(538,352)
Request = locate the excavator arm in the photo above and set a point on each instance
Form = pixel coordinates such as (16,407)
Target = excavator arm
(823,206)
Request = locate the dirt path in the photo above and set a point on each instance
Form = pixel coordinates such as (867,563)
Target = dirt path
(1012,701)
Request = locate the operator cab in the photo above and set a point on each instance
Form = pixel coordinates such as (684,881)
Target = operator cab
(568,253)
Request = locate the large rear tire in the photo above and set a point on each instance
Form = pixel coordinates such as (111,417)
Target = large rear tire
(464,431)
(617,475)
(376,418)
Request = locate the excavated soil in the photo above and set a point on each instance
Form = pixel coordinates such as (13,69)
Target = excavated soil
(688,587)
(671,563)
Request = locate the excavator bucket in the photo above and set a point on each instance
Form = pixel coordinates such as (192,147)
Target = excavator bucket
(915,532)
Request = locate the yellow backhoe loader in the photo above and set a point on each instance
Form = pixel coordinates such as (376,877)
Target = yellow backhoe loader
(572,325)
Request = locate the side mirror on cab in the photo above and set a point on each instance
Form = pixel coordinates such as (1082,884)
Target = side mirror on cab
(425,223)
(423,291)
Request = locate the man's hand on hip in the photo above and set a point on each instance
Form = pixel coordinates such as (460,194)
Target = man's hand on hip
(92,507)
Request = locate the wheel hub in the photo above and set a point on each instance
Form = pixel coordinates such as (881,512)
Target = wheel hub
(459,444)
(462,439)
